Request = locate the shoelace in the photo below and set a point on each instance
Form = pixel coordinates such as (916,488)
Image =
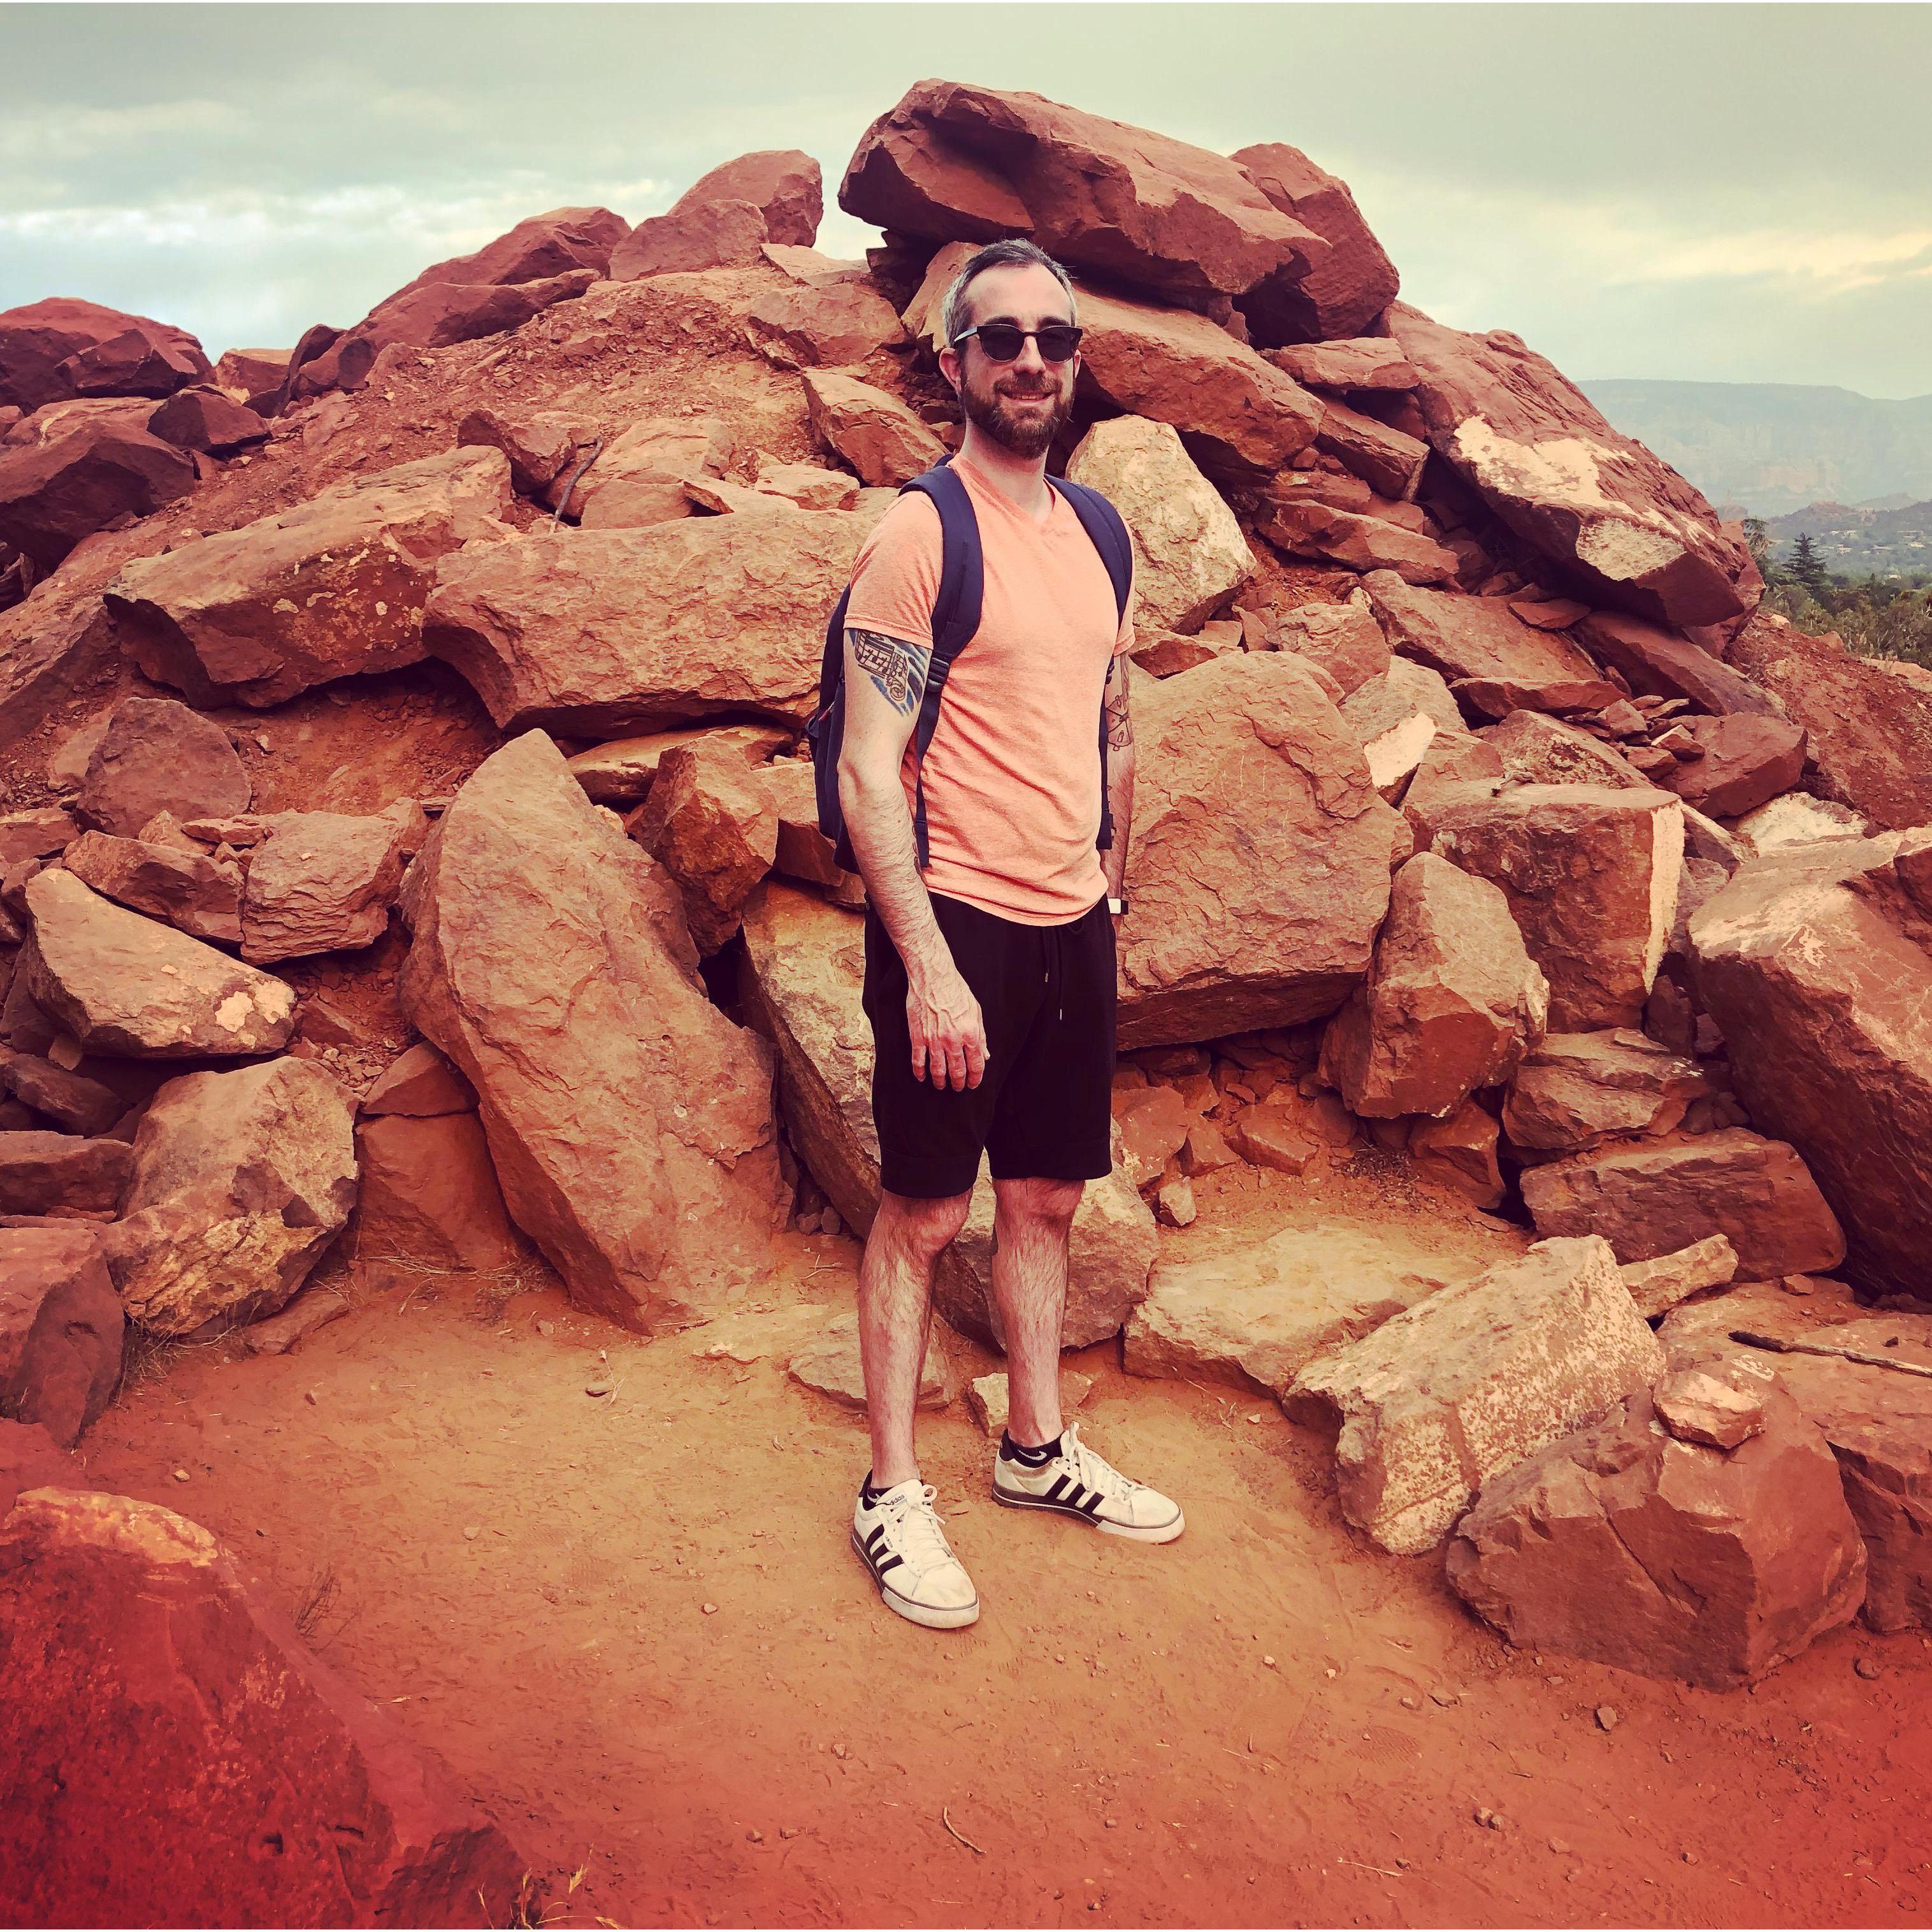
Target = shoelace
(918,1523)
(1095,1471)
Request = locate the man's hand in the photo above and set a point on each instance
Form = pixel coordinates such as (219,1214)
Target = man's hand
(949,1034)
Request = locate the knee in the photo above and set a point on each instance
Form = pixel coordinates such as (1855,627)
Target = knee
(924,1227)
(1048,1205)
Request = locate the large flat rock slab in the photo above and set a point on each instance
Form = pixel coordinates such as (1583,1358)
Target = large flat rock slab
(123,984)
(1625,527)
(334,586)
(1259,869)
(148,1678)
(1471,1381)
(630,1123)
(597,632)
(1254,1311)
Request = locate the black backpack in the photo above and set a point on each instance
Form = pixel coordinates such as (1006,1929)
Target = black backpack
(956,617)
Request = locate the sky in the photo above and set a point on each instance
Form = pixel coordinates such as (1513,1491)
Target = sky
(1731,192)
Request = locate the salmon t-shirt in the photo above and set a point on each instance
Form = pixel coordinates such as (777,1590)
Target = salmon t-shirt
(1012,775)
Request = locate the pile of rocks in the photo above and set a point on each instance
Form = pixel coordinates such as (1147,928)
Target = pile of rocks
(1483,831)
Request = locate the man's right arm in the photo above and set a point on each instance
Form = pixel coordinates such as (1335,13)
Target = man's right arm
(885,682)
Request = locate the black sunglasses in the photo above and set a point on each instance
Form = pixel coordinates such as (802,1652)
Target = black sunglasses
(1003,340)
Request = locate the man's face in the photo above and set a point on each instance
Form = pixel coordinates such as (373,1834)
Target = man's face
(1021,404)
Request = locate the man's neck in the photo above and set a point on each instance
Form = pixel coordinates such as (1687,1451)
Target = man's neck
(1023,478)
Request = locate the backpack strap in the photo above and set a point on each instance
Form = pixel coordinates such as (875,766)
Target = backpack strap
(1105,525)
(956,612)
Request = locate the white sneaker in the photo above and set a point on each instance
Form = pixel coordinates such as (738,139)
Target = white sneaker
(1080,1482)
(899,1535)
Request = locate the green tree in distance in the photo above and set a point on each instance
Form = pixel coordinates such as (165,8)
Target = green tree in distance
(1807,567)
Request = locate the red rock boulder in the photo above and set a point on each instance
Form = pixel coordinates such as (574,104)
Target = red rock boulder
(154,755)
(1814,963)
(204,418)
(1348,288)
(147,1678)
(332,587)
(536,249)
(427,1193)
(1591,874)
(630,1123)
(61,347)
(1656,1197)
(783,183)
(954,163)
(1620,524)
(54,494)
(1627,1545)
(1259,869)
(1452,1003)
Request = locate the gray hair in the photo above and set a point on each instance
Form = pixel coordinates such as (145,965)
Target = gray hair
(1007,254)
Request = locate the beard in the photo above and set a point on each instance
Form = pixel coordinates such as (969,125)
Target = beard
(1026,431)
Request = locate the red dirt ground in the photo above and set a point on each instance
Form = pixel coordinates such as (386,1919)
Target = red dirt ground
(633,1628)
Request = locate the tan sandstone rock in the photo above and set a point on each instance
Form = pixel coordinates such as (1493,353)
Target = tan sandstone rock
(629,1121)
(122,984)
(1657,1285)
(1470,1381)
(1254,1312)
(1190,555)
(1259,867)
(830,1363)
(188,890)
(638,477)
(242,1180)
(1343,639)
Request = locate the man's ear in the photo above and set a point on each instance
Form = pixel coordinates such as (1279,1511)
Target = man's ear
(949,367)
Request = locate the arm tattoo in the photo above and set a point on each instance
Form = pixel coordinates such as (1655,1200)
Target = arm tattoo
(897,667)
(1120,725)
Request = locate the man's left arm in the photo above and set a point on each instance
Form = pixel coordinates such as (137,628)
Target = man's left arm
(1120,773)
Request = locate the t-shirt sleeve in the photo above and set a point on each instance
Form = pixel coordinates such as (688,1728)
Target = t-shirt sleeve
(896,580)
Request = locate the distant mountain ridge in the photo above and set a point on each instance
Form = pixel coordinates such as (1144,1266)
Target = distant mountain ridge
(1778,447)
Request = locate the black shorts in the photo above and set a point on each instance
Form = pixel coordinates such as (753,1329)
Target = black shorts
(1042,1110)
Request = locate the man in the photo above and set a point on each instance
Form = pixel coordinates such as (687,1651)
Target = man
(990,977)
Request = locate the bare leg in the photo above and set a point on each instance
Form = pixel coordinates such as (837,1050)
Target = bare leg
(895,1316)
(1031,1222)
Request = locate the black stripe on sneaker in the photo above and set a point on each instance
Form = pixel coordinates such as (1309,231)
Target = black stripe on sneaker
(1053,1494)
(874,1537)
(890,1563)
